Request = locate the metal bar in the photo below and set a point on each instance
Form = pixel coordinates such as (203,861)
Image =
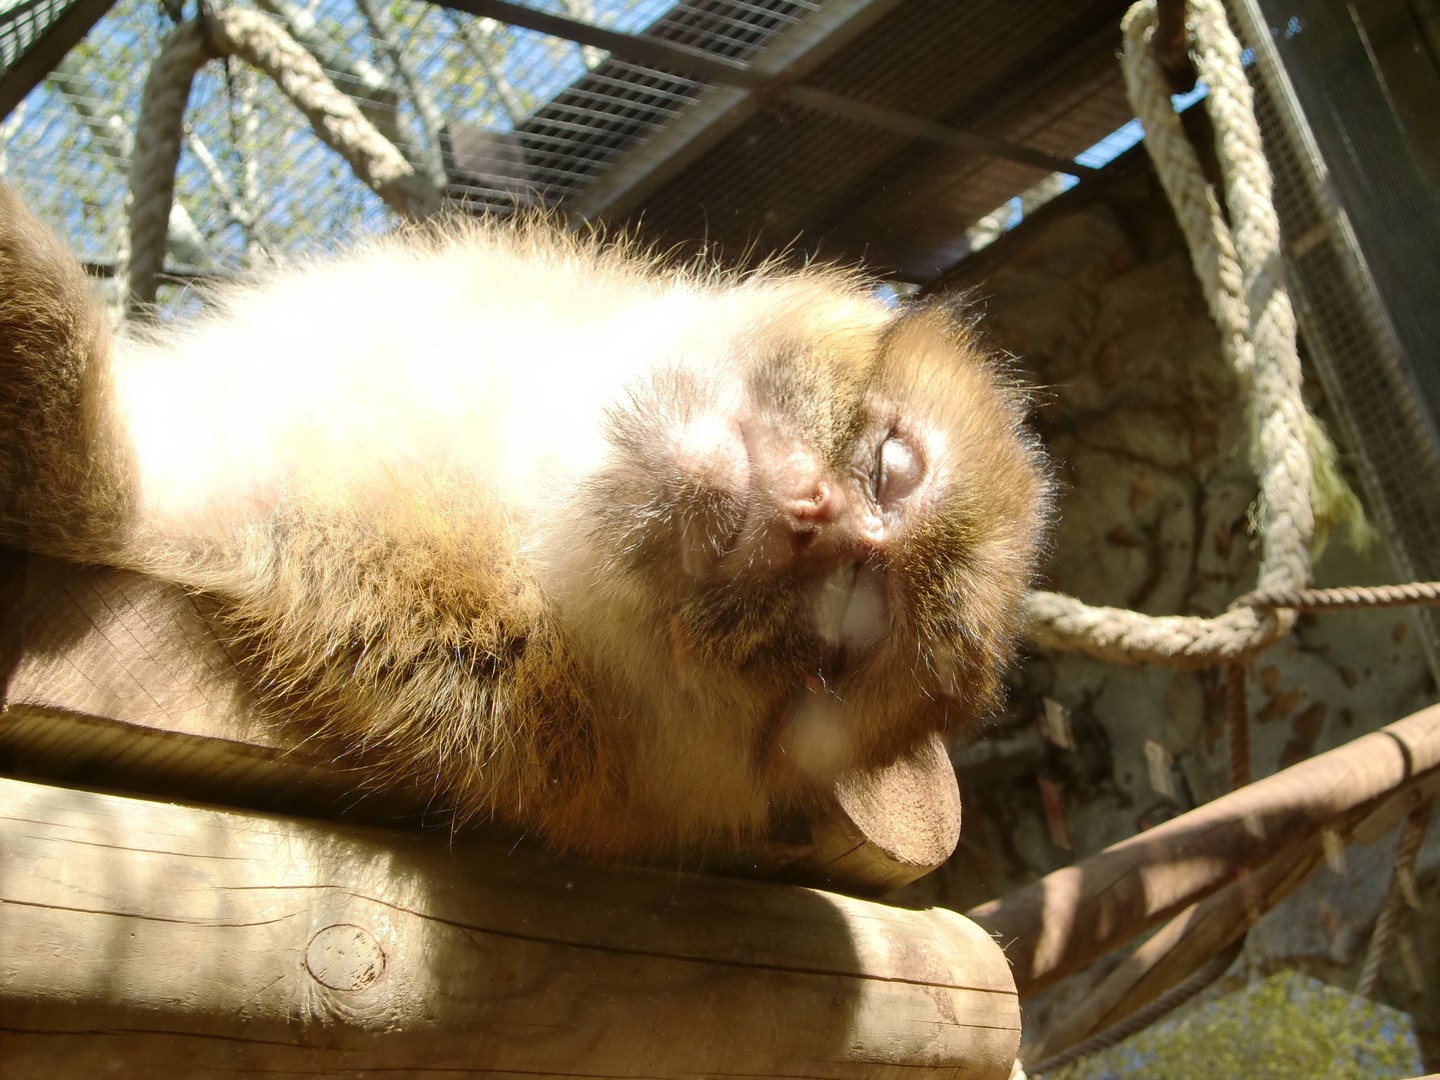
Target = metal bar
(45,51)
(848,108)
(649,51)
(721,72)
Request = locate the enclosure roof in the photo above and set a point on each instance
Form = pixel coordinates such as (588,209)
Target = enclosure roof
(874,130)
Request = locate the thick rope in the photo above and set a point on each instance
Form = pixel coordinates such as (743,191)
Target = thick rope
(1400,895)
(260,41)
(1240,274)
(1057,621)
(158,136)
(1256,321)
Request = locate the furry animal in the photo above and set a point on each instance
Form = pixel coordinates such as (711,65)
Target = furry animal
(632,556)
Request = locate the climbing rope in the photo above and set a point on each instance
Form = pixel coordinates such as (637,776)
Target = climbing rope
(1352,596)
(1238,264)
(262,42)
(158,135)
(1235,252)
(1239,269)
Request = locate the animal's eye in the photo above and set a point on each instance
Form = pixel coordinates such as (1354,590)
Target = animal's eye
(898,470)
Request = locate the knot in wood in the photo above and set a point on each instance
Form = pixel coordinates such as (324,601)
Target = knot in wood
(345,957)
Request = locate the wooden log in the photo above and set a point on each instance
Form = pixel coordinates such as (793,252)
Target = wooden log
(886,828)
(1180,947)
(1057,925)
(116,679)
(140,938)
(1206,928)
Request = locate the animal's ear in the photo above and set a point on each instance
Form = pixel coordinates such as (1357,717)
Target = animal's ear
(924,329)
(961,307)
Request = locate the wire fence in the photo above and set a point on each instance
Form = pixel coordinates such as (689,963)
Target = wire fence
(493,114)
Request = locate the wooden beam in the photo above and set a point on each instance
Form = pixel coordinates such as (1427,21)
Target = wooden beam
(139,938)
(1181,947)
(1209,927)
(1060,923)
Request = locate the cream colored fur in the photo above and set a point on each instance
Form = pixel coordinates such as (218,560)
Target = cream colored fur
(634,556)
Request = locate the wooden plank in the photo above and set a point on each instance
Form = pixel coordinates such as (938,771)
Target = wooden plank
(138,938)
(116,679)
(1060,923)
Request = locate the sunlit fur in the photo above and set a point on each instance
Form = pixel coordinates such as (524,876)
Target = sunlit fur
(631,556)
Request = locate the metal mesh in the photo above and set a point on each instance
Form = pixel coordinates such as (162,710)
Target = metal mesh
(1360,231)
(555,150)
(499,115)
(551,153)
(1043,74)
(496,114)
(24,21)
(731,30)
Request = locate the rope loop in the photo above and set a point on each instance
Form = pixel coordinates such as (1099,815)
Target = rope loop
(1240,270)
(261,41)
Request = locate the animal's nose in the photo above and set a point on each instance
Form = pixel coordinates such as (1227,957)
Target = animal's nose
(822,506)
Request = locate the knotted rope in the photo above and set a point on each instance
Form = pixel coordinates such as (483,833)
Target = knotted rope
(1240,271)
(1241,274)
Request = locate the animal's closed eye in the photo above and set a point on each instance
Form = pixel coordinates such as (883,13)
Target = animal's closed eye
(898,469)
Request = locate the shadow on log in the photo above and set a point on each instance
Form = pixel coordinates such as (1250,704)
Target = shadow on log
(140,937)
(1068,918)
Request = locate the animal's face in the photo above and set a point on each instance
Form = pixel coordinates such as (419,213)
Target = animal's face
(843,523)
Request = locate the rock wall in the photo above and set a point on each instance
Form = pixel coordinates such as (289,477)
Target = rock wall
(1095,297)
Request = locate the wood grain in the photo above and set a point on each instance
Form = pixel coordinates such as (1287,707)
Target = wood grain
(1056,925)
(140,938)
